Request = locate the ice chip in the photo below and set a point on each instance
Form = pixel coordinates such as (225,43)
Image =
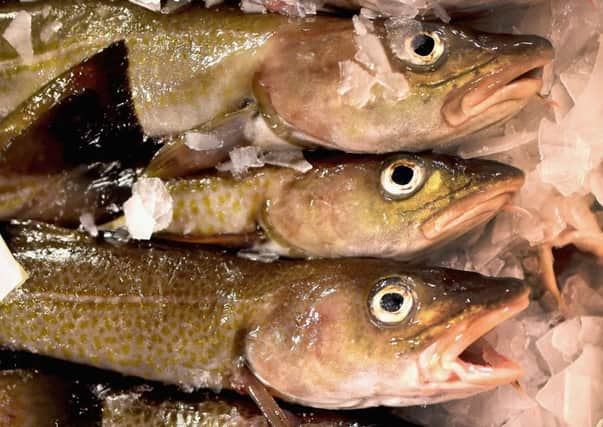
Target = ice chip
(154,5)
(252,6)
(200,141)
(355,85)
(591,331)
(574,395)
(13,275)
(18,35)
(150,208)
(293,159)
(50,30)
(241,159)
(551,396)
(87,223)
(596,184)
(580,298)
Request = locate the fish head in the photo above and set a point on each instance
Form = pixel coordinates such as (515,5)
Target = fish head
(400,206)
(406,86)
(386,335)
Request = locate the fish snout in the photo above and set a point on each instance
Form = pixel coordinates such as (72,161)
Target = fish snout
(494,185)
(504,85)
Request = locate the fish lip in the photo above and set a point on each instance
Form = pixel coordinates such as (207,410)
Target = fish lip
(470,211)
(505,85)
(468,334)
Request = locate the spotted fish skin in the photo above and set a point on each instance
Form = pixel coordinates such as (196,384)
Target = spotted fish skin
(184,310)
(195,318)
(215,205)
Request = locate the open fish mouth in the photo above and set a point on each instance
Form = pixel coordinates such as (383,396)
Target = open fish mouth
(463,358)
(470,211)
(502,89)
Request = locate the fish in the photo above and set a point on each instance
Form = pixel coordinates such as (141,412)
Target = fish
(123,408)
(29,398)
(35,397)
(194,71)
(332,334)
(399,206)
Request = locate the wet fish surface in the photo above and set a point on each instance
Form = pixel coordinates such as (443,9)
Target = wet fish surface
(330,334)
(398,206)
(187,70)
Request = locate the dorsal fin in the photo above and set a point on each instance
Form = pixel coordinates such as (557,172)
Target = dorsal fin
(85,115)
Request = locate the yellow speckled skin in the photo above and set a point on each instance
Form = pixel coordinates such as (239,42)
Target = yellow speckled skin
(222,204)
(190,317)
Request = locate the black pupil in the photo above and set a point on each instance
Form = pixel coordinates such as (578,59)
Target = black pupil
(402,175)
(392,302)
(423,44)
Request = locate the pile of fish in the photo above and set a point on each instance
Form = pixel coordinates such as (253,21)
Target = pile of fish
(217,204)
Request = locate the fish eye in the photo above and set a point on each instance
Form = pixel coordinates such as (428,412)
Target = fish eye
(424,48)
(402,177)
(391,301)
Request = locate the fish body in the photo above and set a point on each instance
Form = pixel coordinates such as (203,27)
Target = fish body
(346,205)
(332,334)
(131,408)
(188,69)
(400,206)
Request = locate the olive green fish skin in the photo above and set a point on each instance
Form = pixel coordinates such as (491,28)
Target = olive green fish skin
(184,69)
(192,317)
(340,207)
(190,68)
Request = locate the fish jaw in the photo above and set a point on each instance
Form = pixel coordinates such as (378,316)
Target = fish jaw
(471,210)
(463,358)
(512,78)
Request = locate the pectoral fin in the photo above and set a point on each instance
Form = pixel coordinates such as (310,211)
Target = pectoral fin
(201,148)
(260,395)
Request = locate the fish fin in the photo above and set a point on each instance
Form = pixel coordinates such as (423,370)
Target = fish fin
(83,116)
(61,198)
(262,398)
(177,157)
(243,240)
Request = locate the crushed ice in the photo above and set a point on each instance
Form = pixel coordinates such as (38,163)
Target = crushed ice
(244,158)
(150,208)
(18,35)
(369,69)
(13,275)
(87,223)
(562,155)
